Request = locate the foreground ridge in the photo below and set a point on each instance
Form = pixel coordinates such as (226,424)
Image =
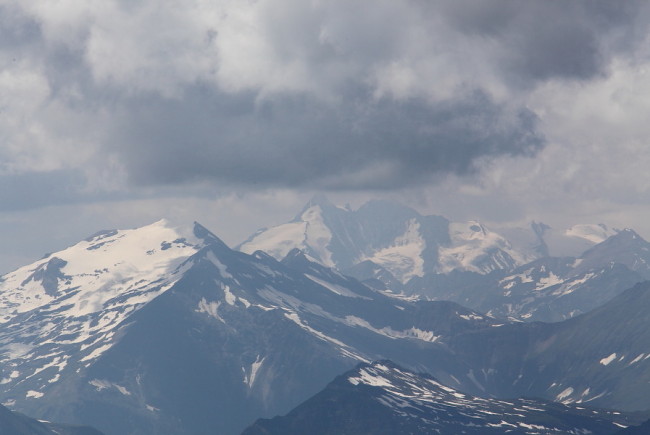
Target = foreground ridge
(383,398)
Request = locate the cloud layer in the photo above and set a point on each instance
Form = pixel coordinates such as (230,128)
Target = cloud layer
(106,99)
(115,113)
(334,95)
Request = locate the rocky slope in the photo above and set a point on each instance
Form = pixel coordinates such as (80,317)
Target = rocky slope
(383,398)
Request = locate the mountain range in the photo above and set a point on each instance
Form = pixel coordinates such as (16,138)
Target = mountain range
(550,288)
(390,246)
(391,236)
(169,332)
(162,329)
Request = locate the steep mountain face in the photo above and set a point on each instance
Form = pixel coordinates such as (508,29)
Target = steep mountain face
(383,398)
(208,342)
(626,247)
(600,358)
(548,289)
(391,236)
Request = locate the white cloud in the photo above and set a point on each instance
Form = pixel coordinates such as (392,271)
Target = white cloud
(318,94)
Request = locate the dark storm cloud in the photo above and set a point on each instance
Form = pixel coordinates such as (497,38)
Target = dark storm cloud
(559,49)
(548,39)
(301,142)
(314,102)
(17,29)
(359,141)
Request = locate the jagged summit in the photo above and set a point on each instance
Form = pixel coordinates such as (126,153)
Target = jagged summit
(391,235)
(297,257)
(625,238)
(207,236)
(511,272)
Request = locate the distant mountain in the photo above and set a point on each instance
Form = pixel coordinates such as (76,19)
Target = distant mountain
(625,247)
(391,236)
(547,289)
(393,248)
(383,398)
(13,423)
(594,233)
(557,242)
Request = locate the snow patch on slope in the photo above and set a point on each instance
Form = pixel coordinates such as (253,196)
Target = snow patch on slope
(223,270)
(344,349)
(210,308)
(249,378)
(101,384)
(605,361)
(548,281)
(404,257)
(372,379)
(34,394)
(337,289)
(389,332)
(564,394)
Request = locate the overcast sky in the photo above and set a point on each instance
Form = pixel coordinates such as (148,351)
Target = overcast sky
(114,113)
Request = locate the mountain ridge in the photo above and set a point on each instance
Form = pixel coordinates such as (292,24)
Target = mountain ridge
(221,337)
(391,235)
(384,398)
(393,248)
(262,334)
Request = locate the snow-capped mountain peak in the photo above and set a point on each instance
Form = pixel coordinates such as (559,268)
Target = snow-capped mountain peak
(390,235)
(306,232)
(65,310)
(475,248)
(594,233)
(97,269)
(626,247)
